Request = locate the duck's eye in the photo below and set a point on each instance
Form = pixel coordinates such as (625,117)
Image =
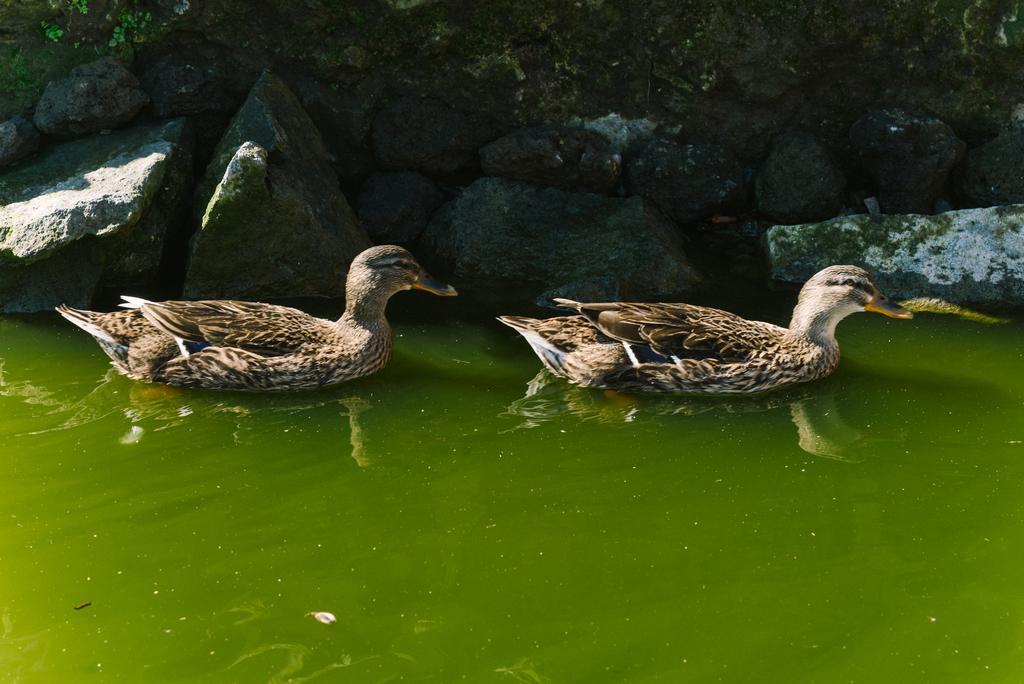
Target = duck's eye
(855,284)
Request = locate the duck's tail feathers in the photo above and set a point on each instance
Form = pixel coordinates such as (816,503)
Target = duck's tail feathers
(87,321)
(551,356)
(130,302)
(563,303)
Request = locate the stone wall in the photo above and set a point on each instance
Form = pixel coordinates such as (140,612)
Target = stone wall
(716,120)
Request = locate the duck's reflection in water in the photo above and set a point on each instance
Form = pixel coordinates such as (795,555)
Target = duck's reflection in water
(820,429)
(158,408)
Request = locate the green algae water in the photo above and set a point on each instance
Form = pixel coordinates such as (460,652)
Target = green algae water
(468,519)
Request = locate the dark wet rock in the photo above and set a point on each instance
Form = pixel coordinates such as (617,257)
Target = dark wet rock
(799,181)
(508,241)
(425,134)
(907,156)
(396,206)
(994,172)
(687,182)
(134,257)
(567,158)
(118,194)
(69,276)
(183,85)
(344,119)
(972,255)
(274,222)
(94,97)
(18,139)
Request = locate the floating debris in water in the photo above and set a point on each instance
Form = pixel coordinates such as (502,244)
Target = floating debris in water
(323,616)
(132,436)
(80,606)
(941,306)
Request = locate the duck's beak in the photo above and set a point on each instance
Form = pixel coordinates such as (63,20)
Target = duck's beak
(429,284)
(881,304)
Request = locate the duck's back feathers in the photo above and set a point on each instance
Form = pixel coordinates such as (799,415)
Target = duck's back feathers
(680,331)
(264,329)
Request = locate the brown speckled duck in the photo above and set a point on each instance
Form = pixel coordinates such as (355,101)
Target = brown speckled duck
(222,344)
(686,348)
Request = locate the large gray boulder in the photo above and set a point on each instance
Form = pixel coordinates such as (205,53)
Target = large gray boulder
(96,96)
(110,199)
(994,172)
(908,156)
(274,222)
(973,255)
(509,241)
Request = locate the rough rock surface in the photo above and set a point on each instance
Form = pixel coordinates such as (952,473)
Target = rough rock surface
(344,119)
(908,157)
(994,172)
(799,181)
(687,182)
(97,96)
(568,158)
(973,255)
(396,206)
(736,73)
(184,85)
(274,222)
(509,241)
(18,139)
(425,134)
(122,187)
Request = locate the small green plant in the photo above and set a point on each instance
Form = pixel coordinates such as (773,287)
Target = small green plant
(51,31)
(81,5)
(129,23)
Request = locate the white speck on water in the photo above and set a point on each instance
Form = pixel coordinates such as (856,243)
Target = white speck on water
(323,616)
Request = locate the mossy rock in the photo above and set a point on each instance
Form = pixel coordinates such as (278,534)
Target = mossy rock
(274,222)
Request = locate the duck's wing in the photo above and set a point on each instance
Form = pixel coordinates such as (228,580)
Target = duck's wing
(264,329)
(682,331)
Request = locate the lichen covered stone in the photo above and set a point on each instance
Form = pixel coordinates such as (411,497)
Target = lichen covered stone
(972,255)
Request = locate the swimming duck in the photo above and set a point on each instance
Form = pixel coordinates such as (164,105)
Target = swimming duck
(223,344)
(686,348)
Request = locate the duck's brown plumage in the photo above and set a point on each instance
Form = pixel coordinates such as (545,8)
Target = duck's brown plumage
(686,348)
(224,344)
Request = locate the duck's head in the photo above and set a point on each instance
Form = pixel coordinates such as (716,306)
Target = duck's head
(849,289)
(834,293)
(386,269)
